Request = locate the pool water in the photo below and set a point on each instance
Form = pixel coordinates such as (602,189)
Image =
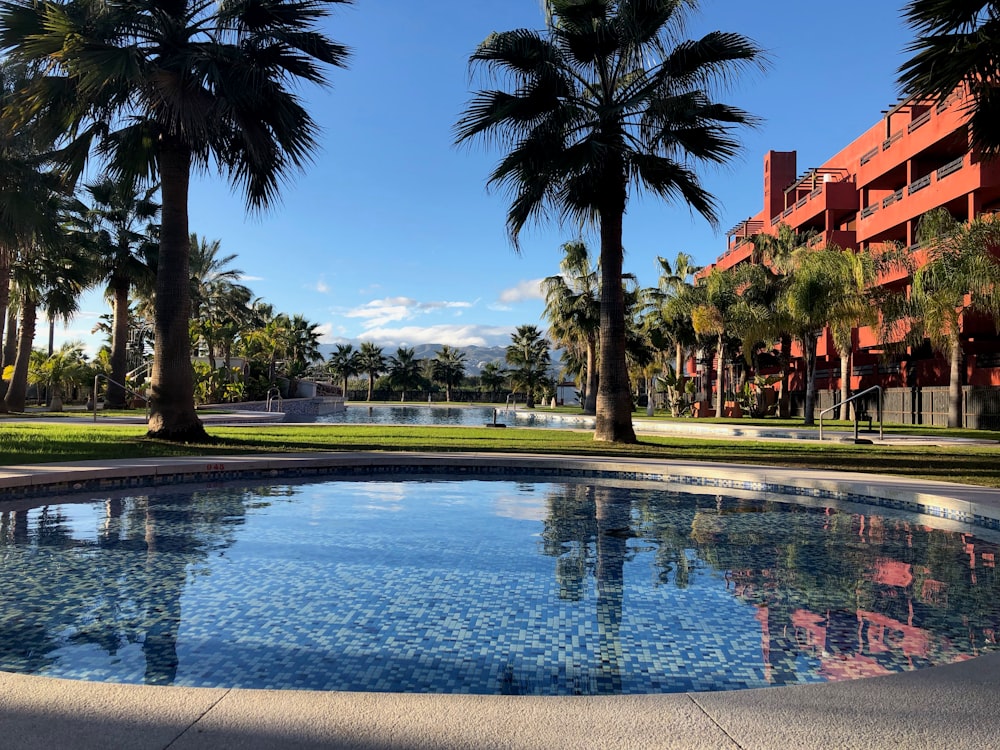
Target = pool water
(462,416)
(483,586)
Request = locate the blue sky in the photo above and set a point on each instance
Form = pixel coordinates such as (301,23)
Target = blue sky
(391,235)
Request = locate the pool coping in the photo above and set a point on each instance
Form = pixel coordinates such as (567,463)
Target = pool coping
(945,706)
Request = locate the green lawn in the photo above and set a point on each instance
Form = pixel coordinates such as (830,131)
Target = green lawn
(54,440)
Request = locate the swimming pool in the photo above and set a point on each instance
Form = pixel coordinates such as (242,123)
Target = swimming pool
(464,416)
(516,585)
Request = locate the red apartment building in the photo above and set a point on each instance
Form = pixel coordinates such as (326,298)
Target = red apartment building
(917,157)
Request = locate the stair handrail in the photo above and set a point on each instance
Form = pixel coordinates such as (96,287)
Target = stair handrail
(854,398)
(273,394)
(97,379)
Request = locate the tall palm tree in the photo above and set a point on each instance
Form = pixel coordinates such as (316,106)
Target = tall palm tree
(811,299)
(448,367)
(163,86)
(115,224)
(603,103)
(371,361)
(27,185)
(774,253)
(712,319)
(670,308)
(573,309)
(528,356)
(957,43)
(960,276)
(404,371)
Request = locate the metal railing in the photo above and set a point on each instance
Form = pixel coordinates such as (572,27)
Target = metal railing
(274,397)
(99,377)
(857,417)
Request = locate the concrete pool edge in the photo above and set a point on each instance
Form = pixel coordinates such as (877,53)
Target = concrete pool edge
(945,706)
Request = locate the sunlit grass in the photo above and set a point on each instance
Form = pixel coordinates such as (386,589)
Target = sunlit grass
(55,440)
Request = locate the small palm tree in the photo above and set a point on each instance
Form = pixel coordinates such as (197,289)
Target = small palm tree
(372,361)
(492,377)
(605,102)
(713,318)
(159,89)
(448,367)
(344,363)
(404,371)
(529,358)
(59,371)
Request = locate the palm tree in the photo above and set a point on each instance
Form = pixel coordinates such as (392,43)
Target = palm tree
(344,362)
(573,308)
(303,348)
(448,367)
(958,43)
(774,253)
(27,186)
(115,225)
(811,300)
(62,369)
(601,104)
(52,276)
(492,377)
(404,371)
(669,316)
(528,355)
(372,361)
(712,319)
(160,88)
(961,276)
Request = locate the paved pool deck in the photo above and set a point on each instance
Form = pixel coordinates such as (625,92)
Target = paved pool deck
(952,707)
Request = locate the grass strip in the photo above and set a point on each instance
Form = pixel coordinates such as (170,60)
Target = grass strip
(27,443)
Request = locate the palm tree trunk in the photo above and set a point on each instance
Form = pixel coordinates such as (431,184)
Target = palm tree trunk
(5,255)
(119,343)
(614,397)
(845,383)
(172,414)
(590,397)
(809,343)
(955,382)
(17,391)
(679,368)
(720,378)
(371,383)
(10,336)
(784,396)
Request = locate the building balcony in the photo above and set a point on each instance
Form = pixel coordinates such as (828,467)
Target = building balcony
(840,197)
(950,182)
(933,129)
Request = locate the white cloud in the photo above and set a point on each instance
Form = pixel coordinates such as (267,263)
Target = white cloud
(452,335)
(320,286)
(524,290)
(380,312)
(245,277)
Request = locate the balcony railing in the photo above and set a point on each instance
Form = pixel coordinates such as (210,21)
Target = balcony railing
(918,121)
(775,220)
(918,184)
(867,157)
(952,166)
(801,202)
(891,139)
(869,210)
(889,200)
